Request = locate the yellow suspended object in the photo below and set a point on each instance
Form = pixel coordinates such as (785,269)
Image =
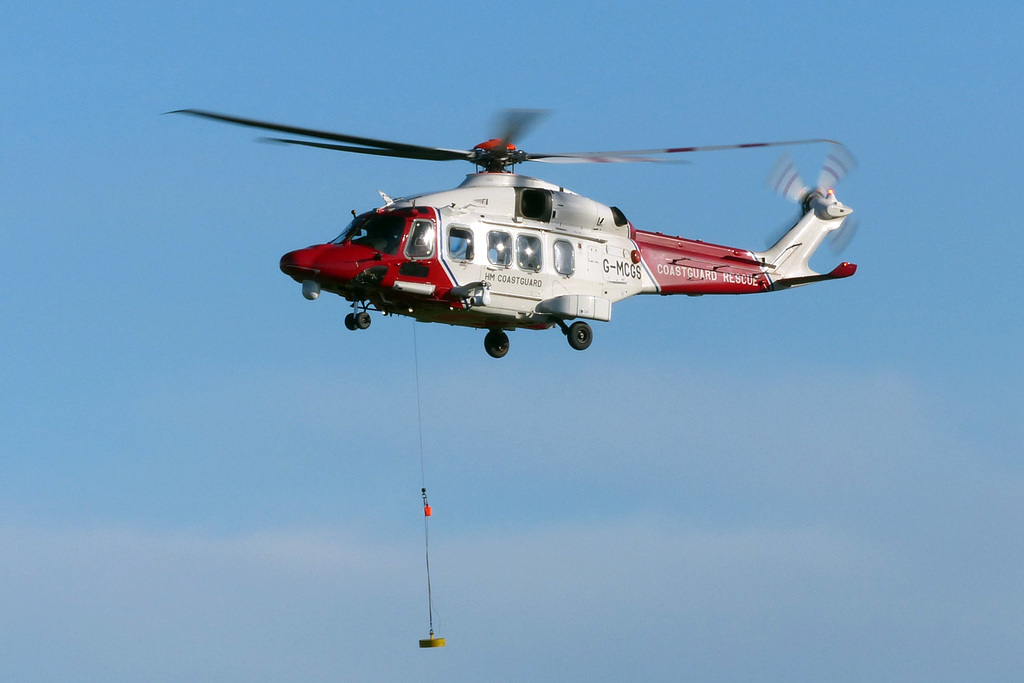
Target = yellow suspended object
(432,641)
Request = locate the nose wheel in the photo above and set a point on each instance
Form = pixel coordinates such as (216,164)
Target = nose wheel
(357,320)
(496,344)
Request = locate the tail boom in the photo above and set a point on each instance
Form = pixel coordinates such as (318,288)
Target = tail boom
(674,265)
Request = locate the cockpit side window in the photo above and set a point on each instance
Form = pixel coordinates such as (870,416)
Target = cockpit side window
(499,248)
(352,228)
(382,232)
(421,240)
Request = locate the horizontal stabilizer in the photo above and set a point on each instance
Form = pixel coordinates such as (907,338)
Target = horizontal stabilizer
(844,269)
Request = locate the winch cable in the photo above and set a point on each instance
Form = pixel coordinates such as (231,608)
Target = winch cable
(419,410)
(431,641)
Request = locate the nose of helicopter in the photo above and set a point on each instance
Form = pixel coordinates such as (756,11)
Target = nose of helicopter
(328,262)
(298,264)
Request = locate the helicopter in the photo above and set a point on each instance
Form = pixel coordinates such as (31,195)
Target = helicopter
(504,251)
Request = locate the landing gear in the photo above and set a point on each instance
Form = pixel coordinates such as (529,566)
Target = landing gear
(358,320)
(579,334)
(496,343)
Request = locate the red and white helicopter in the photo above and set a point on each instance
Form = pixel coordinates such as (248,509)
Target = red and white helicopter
(504,251)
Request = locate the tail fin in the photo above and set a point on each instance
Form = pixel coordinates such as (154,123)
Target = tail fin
(787,260)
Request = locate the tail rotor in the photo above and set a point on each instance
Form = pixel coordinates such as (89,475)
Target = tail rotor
(784,179)
(839,163)
(840,239)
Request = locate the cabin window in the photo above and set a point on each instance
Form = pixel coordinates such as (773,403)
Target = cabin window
(421,239)
(528,250)
(499,248)
(565,260)
(460,244)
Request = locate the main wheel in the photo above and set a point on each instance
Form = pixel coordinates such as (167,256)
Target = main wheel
(580,335)
(363,320)
(496,343)
(350,321)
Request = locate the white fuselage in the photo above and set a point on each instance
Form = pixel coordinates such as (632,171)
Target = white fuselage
(537,248)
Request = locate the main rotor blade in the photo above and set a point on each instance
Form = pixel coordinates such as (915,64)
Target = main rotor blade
(677,150)
(567,159)
(513,124)
(401,148)
(428,155)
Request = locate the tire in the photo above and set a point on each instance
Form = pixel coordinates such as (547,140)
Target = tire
(496,344)
(363,320)
(350,321)
(580,335)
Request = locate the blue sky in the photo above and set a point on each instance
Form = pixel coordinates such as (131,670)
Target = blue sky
(204,476)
